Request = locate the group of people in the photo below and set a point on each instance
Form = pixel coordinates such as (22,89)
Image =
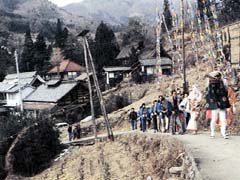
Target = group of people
(179,112)
(74,133)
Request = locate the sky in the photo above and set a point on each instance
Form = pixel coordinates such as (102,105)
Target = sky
(61,3)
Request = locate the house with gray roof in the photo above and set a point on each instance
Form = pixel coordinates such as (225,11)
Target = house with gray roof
(149,63)
(115,74)
(10,97)
(56,93)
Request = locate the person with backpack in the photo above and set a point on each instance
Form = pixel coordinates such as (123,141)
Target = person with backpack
(217,101)
(133,119)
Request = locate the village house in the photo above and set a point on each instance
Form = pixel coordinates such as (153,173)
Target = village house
(56,94)
(114,75)
(66,70)
(9,88)
(148,64)
(126,53)
(124,56)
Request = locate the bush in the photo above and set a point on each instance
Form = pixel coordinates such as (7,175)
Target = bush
(34,152)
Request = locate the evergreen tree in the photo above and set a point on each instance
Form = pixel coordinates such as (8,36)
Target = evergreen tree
(65,34)
(133,56)
(168,16)
(201,9)
(135,32)
(106,47)
(72,50)
(230,11)
(61,35)
(26,61)
(202,6)
(6,60)
(41,55)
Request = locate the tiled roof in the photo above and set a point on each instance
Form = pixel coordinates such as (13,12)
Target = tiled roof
(124,53)
(45,93)
(67,66)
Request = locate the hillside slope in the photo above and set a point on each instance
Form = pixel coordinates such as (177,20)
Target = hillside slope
(118,12)
(38,13)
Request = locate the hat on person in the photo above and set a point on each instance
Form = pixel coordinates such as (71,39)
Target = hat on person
(215,74)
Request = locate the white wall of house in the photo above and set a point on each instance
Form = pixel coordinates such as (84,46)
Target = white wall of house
(150,70)
(13,99)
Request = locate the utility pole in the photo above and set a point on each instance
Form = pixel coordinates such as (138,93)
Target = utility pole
(96,83)
(18,77)
(90,91)
(158,47)
(185,86)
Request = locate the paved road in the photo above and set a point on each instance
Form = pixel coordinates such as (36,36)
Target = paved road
(217,159)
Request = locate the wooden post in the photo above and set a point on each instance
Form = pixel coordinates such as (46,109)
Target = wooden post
(90,91)
(158,47)
(19,84)
(185,88)
(99,93)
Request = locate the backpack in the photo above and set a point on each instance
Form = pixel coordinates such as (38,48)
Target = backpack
(220,94)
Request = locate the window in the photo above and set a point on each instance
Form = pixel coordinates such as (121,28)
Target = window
(111,75)
(72,75)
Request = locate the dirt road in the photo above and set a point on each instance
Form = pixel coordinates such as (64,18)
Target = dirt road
(217,159)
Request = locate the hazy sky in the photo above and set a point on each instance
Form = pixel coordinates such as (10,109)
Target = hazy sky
(64,2)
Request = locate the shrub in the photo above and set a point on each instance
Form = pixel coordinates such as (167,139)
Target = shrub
(36,149)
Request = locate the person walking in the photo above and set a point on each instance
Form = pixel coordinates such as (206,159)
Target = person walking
(184,106)
(154,116)
(194,97)
(133,119)
(143,115)
(175,115)
(217,101)
(70,133)
(165,114)
(158,110)
(78,131)
(149,118)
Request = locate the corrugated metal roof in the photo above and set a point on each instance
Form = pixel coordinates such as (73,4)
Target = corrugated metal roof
(153,62)
(24,75)
(67,66)
(15,88)
(112,69)
(46,93)
(25,78)
(4,86)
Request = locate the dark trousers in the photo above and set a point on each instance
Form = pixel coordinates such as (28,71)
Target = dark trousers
(155,124)
(143,123)
(134,124)
(175,119)
(149,120)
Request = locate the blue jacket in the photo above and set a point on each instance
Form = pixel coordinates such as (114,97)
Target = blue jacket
(158,107)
